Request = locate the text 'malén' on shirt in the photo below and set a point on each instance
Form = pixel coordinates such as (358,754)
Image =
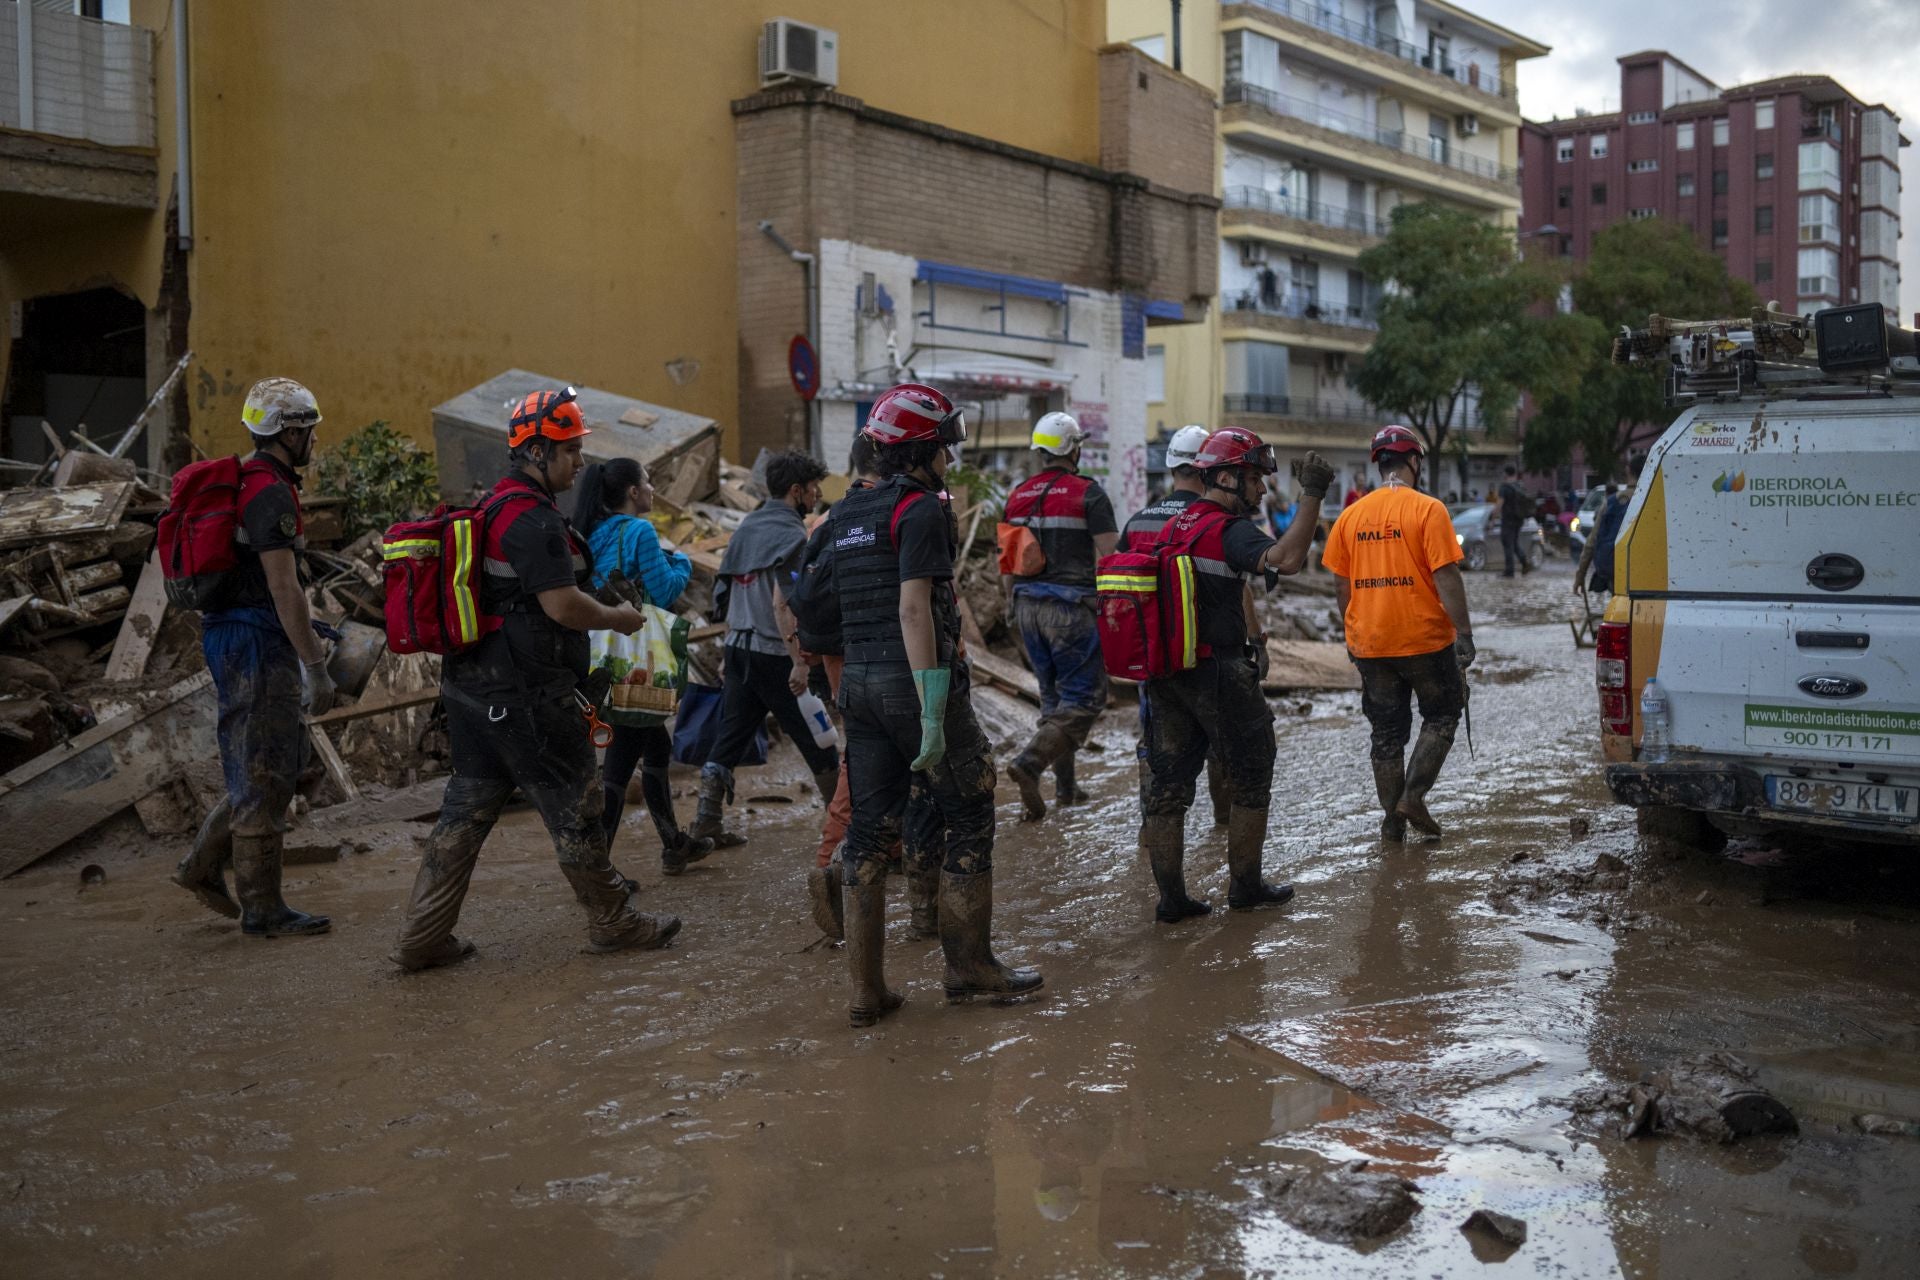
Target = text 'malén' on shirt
(1387,546)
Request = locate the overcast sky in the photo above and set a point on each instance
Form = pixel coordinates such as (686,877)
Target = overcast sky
(1870,46)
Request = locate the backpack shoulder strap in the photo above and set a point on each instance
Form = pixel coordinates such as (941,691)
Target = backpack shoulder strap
(900,509)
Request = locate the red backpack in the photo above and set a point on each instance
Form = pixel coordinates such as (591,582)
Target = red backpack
(199,530)
(1146,617)
(433,569)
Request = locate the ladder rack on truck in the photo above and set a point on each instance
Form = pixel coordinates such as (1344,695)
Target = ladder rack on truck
(1841,351)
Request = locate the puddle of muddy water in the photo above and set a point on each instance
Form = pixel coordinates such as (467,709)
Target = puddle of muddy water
(176,1099)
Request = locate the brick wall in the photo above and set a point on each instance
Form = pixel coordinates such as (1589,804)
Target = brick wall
(821,165)
(1155,122)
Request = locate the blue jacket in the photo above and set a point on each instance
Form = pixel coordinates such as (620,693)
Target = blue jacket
(631,545)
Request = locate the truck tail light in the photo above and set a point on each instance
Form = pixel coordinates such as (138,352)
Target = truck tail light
(1613,672)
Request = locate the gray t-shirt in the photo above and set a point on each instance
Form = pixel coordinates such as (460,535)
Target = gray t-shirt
(750,617)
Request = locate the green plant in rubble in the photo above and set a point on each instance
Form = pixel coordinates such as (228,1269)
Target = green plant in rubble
(978,486)
(383,476)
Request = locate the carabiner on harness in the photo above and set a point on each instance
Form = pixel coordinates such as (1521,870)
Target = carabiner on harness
(597,729)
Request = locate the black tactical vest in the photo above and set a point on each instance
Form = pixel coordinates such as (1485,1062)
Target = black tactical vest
(866,571)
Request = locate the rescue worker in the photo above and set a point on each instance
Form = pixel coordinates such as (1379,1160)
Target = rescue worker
(904,692)
(1219,698)
(1396,563)
(514,707)
(268,665)
(765,671)
(1071,517)
(1141,532)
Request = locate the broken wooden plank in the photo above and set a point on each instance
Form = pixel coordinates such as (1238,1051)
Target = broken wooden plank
(125,442)
(39,515)
(79,468)
(707,632)
(134,644)
(81,783)
(12,609)
(1003,673)
(1309,664)
(417,803)
(330,761)
(375,706)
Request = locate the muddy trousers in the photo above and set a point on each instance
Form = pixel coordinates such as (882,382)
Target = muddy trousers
(263,742)
(543,750)
(650,749)
(1063,648)
(755,686)
(840,807)
(1218,793)
(1388,687)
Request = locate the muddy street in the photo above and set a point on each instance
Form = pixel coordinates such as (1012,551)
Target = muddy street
(176,1099)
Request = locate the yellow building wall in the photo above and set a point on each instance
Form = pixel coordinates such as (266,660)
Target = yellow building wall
(395,201)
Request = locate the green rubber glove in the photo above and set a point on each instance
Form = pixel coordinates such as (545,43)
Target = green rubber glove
(932,685)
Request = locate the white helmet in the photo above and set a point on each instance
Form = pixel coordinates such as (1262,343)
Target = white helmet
(275,404)
(1058,434)
(1185,445)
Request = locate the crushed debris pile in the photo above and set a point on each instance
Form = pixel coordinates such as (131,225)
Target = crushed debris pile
(1714,1097)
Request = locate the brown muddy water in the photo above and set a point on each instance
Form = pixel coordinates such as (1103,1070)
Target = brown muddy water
(178,1100)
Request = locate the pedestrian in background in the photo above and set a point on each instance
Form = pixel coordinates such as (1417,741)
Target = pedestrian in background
(268,666)
(630,565)
(766,671)
(1595,570)
(1397,567)
(1071,518)
(1513,506)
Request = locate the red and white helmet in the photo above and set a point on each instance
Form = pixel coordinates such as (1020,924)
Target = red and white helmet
(1236,447)
(1396,440)
(914,411)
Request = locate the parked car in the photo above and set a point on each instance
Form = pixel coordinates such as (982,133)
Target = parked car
(1584,519)
(1470,531)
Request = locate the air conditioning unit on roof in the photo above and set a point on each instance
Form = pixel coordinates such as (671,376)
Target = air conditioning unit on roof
(798,52)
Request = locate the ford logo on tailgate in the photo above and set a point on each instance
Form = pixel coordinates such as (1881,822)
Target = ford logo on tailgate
(1832,686)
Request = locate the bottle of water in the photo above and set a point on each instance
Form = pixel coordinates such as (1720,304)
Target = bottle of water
(1656,724)
(824,734)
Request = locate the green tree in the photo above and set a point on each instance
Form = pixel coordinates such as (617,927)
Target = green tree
(1463,321)
(1636,269)
(383,476)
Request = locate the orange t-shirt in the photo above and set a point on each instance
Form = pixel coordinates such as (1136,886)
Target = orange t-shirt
(1387,546)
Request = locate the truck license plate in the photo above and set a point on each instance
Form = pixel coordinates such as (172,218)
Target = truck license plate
(1879,803)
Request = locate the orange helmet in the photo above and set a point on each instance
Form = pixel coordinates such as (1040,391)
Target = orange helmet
(546,415)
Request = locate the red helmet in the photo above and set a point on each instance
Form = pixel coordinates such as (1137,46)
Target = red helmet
(546,415)
(1236,447)
(1396,440)
(914,411)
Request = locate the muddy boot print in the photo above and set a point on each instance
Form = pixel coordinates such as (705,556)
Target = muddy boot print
(824,896)
(966,926)
(1163,836)
(716,791)
(1246,839)
(256,877)
(870,1000)
(1423,770)
(203,871)
(1389,783)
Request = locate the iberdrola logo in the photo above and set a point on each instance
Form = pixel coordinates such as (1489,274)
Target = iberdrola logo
(1723,483)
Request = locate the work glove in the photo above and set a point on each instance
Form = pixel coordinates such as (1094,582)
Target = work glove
(319,687)
(933,686)
(1463,650)
(1313,475)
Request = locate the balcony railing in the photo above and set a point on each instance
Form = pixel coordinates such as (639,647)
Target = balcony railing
(1433,150)
(1305,210)
(1370,36)
(1313,409)
(1299,305)
(79,78)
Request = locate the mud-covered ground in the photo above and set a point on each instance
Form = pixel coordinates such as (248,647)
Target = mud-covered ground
(178,1100)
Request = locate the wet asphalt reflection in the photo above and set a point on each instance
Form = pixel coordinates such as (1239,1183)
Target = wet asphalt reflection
(179,1100)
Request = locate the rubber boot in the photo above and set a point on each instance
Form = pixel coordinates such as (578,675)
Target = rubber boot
(923,900)
(612,922)
(681,851)
(716,789)
(1246,839)
(966,925)
(1163,837)
(1423,770)
(202,872)
(256,877)
(1049,743)
(824,897)
(1389,782)
(826,782)
(1218,792)
(1066,790)
(870,1000)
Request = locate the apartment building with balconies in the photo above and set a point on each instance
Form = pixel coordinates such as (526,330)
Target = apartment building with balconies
(1793,181)
(1333,113)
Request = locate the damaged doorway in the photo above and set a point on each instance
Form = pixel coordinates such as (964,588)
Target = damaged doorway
(79,362)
